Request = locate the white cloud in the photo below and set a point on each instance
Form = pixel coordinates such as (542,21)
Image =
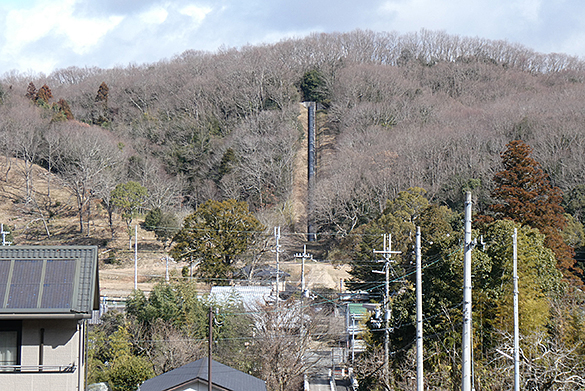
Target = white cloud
(156,15)
(529,10)
(47,19)
(195,12)
(83,34)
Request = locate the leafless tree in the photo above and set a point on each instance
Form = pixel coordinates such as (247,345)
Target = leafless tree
(169,347)
(281,341)
(86,154)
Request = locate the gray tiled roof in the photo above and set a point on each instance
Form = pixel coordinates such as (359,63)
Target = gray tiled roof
(221,375)
(48,280)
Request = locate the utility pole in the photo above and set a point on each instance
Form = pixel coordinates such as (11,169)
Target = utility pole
(304,291)
(304,255)
(209,360)
(466,378)
(135,257)
(419,320)
(277,251)
(352,339)
(167,269)
(4,233)
(516,322)
(387,252)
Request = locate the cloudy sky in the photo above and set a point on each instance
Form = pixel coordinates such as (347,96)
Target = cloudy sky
(44,35)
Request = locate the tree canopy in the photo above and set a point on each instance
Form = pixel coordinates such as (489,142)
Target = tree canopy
(128,198)
(523,193)
(215,235)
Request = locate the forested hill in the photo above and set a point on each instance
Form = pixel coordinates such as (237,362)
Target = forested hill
(426,109)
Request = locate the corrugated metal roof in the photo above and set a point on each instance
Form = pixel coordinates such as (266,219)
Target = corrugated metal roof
(48,280)
(221,375)
(251,296)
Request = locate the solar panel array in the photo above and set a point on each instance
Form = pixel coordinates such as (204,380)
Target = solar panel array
(47,279)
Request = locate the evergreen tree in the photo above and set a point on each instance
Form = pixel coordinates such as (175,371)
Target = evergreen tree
(101,116)
(215,234)
(43,95)
(313,87)
(64,109)
(102,94)
(31,91)
(128,198)
(524,194)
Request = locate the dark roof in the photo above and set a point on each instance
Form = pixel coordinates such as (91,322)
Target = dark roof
(221,376)
(263,272)
(48,281)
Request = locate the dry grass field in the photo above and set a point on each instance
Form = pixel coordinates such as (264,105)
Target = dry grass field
(49,217)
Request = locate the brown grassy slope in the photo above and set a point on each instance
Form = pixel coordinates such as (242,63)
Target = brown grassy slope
(57,208)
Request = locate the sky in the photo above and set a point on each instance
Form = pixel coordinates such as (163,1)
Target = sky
(40,36)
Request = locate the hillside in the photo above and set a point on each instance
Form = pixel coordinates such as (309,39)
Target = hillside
(406,124)
(428,110)
(25,223)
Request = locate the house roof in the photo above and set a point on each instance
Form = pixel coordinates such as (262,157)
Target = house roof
(250,296)
(263,272)
(48,281)
(221,375)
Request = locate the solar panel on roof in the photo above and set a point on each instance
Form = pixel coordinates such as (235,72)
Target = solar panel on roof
(58,284)
(47,279)
(4,271)
(24,289)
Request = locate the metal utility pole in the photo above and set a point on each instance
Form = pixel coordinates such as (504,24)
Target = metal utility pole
(135,257)
(167,269)
(277,250)
(304,255)
(352,339)
(4,233)
(209,360)
(516,322)
(304,291)
(419,320)
(466,378)
(387,252)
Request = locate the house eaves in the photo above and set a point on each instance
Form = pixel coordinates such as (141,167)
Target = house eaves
(48,282)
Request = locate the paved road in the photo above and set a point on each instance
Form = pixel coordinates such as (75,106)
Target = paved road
(319,383)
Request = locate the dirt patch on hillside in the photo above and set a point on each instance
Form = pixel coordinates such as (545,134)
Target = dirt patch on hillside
(318,274)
